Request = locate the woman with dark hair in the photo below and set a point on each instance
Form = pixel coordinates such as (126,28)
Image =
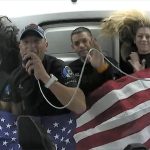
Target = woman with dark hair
(9,60)
(9,50)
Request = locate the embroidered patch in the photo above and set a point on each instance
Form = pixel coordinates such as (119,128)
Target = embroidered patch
(7,90)
(6,94)
(67,72)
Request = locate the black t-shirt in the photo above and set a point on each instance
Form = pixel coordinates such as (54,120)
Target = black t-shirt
(92,79)
(26,88)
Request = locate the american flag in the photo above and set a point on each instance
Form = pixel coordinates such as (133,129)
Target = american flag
(119,115)
(8,132)
(60,129)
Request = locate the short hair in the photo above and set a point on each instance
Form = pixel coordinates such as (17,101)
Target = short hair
(9,49)
(79,30)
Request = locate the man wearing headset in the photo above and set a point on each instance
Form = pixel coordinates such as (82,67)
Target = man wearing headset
(97,70)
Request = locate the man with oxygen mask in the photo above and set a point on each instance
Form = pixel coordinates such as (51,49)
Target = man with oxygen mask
(97,70)
(42,77)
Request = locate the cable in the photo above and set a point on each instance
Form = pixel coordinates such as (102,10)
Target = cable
(56,107)
(82,70)
(119,68)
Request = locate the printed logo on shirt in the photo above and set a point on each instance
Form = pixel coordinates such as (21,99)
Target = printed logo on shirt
(77,74)
(67,72)
(7,90)
(20,86)
(6,93)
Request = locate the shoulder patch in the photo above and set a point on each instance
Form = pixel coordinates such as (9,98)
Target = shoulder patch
(67,72)
(7,89)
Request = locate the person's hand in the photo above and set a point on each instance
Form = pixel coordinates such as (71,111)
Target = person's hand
(34,64)
(135,62)
(24,49)
(95,58)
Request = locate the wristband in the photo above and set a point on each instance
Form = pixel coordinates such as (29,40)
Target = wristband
(51,81)
(102,68)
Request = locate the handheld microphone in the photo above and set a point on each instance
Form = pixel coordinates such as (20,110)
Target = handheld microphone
(25,62)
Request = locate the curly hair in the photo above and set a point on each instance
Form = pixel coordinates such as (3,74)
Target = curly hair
(125,24)
(9,50)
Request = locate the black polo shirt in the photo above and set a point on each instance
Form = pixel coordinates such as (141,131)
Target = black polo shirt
(26,88)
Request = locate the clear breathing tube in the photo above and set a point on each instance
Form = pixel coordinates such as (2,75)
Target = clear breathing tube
(82,70)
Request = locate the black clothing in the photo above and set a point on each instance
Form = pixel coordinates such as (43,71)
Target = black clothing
(26,88)
(38,140)
(92,79)
(147,58)
(135,146)
(9,60)
(5,87)
(127,67)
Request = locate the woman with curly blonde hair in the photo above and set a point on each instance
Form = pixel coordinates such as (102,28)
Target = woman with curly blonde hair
(133,28)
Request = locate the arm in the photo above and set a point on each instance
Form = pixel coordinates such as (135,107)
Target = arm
(62,92)
(64,95)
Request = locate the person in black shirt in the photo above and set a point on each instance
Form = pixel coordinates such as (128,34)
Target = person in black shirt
(56,80)
(42,73)
(9,60)
(139,57)
(97,70)
(133,28)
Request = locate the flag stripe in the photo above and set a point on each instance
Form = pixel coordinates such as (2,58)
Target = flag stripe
(147,143)
(111,84)
(126,130)
(119,107)
(140,137)
(115,95)
(123,118)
